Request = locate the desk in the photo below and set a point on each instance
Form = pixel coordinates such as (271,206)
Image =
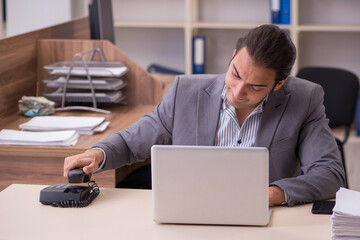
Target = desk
(44,164)
(22,60)
(127,214)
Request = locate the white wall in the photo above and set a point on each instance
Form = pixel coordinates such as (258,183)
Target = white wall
(28,15)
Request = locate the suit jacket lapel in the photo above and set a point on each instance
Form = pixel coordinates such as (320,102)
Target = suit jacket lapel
(208,105)
(272,113)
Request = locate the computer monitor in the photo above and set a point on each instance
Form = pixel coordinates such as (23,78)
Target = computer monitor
(101,20)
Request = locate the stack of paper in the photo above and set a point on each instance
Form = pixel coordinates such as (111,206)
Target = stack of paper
(82,125)
(54,138)
(346,215)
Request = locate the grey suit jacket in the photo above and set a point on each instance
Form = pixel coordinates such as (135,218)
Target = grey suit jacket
(293,127)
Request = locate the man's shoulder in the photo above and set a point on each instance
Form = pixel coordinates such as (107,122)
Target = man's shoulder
(294,84)
(210,83)
(200,80)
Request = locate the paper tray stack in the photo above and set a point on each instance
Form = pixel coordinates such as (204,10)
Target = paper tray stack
(106,79)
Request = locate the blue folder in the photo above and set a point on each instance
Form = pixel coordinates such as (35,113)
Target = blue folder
(275,11)
(199,48)
(156,68)
(285,12)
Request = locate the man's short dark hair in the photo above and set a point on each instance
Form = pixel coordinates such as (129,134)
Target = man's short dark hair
(270,47)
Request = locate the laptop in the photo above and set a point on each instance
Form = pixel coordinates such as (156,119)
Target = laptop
(210,185)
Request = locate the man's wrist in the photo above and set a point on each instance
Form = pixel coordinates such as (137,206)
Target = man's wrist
(100,157)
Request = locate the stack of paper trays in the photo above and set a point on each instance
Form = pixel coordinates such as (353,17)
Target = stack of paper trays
(106,80)
(346,215)
(82,125)
(57,138)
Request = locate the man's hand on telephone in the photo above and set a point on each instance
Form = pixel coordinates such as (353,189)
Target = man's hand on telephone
(89,161)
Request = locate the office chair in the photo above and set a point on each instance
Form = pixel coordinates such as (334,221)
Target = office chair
(341,89)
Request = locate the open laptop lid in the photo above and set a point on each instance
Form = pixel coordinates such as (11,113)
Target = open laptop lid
(210,185)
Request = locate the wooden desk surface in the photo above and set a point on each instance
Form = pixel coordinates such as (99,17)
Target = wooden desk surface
(121,118)
(127,214)
(44,164)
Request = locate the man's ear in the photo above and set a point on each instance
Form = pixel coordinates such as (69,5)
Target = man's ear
(279,84)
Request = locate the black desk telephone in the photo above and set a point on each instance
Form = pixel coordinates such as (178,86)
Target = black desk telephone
(71,195)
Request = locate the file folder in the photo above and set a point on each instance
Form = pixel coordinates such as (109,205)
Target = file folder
(285,12)
(156,68)
(199,55)
(275,11)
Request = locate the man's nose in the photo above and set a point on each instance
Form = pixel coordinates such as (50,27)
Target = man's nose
(240,89)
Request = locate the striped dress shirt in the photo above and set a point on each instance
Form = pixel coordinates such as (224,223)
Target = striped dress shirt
(229,132)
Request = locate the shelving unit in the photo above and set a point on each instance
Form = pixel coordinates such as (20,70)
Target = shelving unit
(325,32)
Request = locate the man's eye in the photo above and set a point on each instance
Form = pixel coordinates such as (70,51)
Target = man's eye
(235,75)
(256,88)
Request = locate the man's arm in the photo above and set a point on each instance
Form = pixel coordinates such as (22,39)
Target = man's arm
(133,144)
(319,157)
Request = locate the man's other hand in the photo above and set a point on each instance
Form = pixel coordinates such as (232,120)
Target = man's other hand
(276,196)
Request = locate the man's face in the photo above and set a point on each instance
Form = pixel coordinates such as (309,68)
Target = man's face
(247,84)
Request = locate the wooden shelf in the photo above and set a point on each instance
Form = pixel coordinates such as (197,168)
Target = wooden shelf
(329,28)
(148,24)
(224,25)
(204,17)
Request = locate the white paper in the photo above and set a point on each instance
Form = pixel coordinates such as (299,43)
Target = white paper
(102,127)
(52,123)
(348,202)
(53,138)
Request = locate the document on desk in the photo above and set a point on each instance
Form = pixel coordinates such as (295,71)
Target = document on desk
(48,138)
(346,215)
(83,125)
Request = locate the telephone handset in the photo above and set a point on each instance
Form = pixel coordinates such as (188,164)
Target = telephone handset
(78,176)
(71,195)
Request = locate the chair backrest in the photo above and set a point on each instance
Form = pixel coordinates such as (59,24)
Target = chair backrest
(341,89)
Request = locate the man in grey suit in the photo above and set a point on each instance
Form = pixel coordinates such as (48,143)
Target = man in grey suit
(255,104)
